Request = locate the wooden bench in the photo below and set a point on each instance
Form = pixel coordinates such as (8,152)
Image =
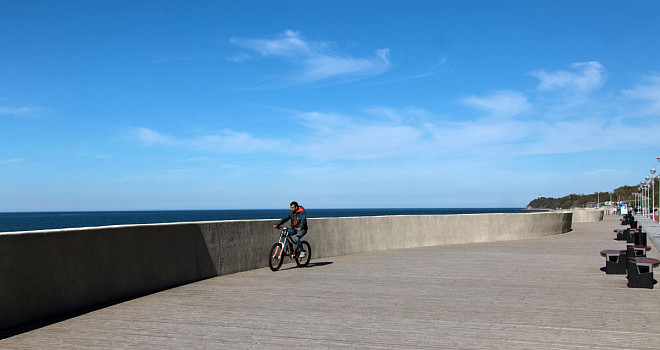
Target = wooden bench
(640,273)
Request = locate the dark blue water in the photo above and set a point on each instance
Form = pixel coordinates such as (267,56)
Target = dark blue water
(11,222)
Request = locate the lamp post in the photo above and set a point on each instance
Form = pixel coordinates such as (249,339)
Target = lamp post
(638,202)
(658,159)
(648,200)
(653,194)
(641,199)
(648,194)
(647,178)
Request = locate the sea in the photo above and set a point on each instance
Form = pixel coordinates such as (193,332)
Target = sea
(30,221)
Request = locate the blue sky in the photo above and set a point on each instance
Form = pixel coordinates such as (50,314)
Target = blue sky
(122,105)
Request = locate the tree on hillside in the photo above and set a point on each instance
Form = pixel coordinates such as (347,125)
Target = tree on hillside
(622,194)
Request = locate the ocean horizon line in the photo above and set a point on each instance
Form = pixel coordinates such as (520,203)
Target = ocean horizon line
(238,209)
(46,220)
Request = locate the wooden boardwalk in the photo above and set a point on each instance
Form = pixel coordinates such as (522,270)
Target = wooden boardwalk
(545,293)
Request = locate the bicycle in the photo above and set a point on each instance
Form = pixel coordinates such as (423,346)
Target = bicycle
(287,247)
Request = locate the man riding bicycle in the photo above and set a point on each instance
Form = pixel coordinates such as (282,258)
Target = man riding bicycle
(298,218)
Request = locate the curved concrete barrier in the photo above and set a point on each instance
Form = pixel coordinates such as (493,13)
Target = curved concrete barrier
(47,273)
(587,215)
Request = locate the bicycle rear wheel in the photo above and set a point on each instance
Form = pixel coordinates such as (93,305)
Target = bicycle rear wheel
(275,257)
(303,262)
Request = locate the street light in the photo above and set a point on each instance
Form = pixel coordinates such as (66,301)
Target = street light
(642,197)
(653,187)
(639,199)
(647,178)
(648,199)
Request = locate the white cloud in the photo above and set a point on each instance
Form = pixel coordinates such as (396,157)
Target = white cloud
(584,77)
(240,58)
(500,104)
(399,115)
(229,141)
(288,44)
(648,92)
(485,136)
(588,135)
(225,141)
(10,161)
(316,61)
(388,133)
(334,136)
(149,137)
(16,110)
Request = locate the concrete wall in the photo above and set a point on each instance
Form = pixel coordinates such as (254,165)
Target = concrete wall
(587,215)
(47,273)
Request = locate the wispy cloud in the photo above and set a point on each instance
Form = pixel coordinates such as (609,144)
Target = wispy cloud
(240,57)
(149,137)
(225,141)
(500,104)
(16,110)
(433,70)
(591,134)
(429,72)
(171,58)
(229,141)
(583,77)
(334,136)
(648,92)
(315,61)
(10,161)
(388,133)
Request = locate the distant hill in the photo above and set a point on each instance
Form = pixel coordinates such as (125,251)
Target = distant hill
(621,194)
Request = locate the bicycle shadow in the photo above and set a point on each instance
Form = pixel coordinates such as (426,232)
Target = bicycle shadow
(320,263)
(311,264)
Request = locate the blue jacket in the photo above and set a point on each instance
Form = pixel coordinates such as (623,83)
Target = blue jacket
(298,219)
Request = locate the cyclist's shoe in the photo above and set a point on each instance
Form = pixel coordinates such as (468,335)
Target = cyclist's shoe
(302,255)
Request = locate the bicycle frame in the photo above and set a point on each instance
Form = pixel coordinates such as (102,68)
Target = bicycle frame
(286,244)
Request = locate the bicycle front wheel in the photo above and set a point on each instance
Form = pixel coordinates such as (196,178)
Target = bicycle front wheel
(303,262)
(275,257)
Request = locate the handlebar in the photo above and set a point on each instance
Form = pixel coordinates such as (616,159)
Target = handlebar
(284,231)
